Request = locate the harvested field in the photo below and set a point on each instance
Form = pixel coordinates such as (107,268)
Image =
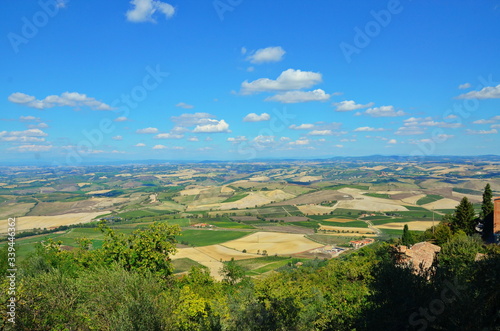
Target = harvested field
(226,189)
(413,199)
(471,197)
(315,209)
(442,204)
(32,222)
(14,210)
(259,179)
(81,206)
(250,201)
(339,220)
(274,243)
(308,179)
(210,257)
(284,228)
(244,218)
(415,226)
(315,198)
(362,202)
(98,192)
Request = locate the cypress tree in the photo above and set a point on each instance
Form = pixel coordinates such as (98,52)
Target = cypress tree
(407,238)
(487,211)
(464,218)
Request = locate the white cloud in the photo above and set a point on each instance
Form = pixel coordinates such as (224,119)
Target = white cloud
(192,119)
(464,86)
(205,149)
(169,136)
(392,141)
(184,105)
(488,92)
(384,111)
(144,10)
(288,80)
(38,126)
(301,127)
(159,147)
(147,130)
(300,96)
(269,54)
(299,142)
(29,119)
(117,152)
(121,119)
(32,148)
(193,139)
(489,121)
(214,126)
(140,145)
(320,133)
(117,138)
(253,117)
(492,131)
(69,99)
(284,139)
(349,105)
(368,129)
(495,126)
(237,139)
(250,69)
(263,140)
(25,133)
(450,117)
(339,146)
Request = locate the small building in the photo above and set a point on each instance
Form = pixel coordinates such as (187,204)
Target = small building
(420,256)
(202,225)
(360,243)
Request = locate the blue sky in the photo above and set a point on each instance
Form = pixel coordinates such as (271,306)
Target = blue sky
(236,79)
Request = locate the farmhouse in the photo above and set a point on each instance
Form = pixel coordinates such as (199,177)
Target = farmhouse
(360,243)
(202,225)
(420,256)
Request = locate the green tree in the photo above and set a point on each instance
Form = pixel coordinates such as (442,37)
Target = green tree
(407,238)
(231,272)
(464,217)
(487,211)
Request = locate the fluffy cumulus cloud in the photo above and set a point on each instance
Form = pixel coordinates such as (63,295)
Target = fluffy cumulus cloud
(464,86)
(214,126)
(32,148)
(159,147)
(169,136)
(121,119)
(236,140)
(384,111)
(492,131)
(253,117)
(147,130)
(38,126)
(29,119)
(269,54)
(320,133)
(488,121)
(368,129)
(488,92)
(305,126)
(140,145)
(184,105)
(392,141)
(185,120)
(66,99)
(290,79)
(31,135)
(417,125)
(300,96)
(300,142)
(350,105)
(145,10)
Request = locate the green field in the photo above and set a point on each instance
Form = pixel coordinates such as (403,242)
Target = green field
(260,265)
(184,264)
(209,237)
(428,199)
(378,195)
(236,197)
